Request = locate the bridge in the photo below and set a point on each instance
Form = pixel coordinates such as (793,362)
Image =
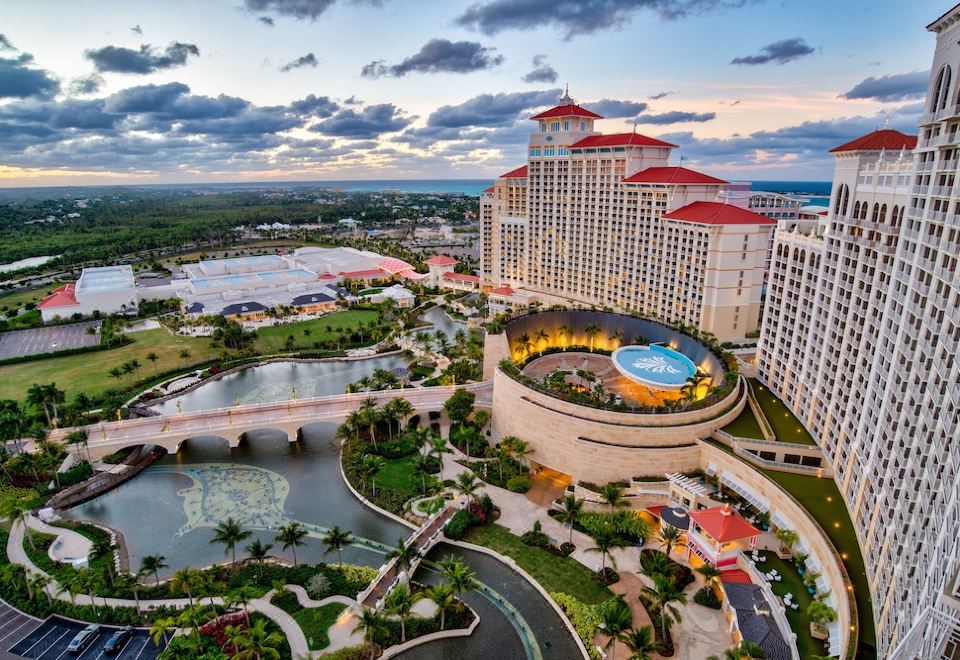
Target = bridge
(233,423)
(422,540)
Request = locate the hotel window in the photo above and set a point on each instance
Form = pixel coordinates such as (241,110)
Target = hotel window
(555,126)
(543,127)
(566,125)
(583,126)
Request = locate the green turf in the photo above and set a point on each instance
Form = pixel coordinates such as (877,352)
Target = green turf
(554,573)
(273,339)
(315,622)
(398,476)
(799,621)
(16,299)
(90,372)
(785,425)
(745,425)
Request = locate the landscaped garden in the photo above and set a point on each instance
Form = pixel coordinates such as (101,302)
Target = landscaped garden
(745,425)
(792,583)
(339,328)
(785,425)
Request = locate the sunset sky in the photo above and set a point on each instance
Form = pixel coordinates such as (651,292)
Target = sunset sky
(110,91)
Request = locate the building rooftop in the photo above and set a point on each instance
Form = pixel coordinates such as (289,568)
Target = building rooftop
(106,278)
(620,140)
(519,173)
(884,138)
(673,175)
(715,213)
(724,524)
(567,110)
(243,308)
(754,620)
(460,277)
(62,297)
(441,260)
(312,299)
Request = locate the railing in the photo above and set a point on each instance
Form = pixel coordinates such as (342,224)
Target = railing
(778,465)
(772,443)
(777,611)
(765,427)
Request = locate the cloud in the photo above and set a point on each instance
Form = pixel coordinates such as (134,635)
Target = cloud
(676,117)
(298,9)
(266,20)
(780,52)
(436,56)
(19,80)
(370,122)
(145,60)
(580,17)
(542,72)
(136,29)
(613,109)
(661,95)
(90,84)
(5,43)
(892,87)
(490,109)
(304,60)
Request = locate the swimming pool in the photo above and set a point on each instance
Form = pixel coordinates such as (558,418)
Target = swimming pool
(654,366)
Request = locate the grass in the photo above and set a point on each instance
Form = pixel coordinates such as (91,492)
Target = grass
(90,372)
(799,621)
(785,425)
(17,299)
(273,339)
(745,425)
(554,573)
(370,292)
(398,476)
(316,621)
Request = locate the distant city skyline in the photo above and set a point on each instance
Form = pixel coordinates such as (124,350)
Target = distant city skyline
(261,90)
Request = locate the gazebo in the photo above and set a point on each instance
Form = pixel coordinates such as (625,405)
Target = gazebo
(717,534)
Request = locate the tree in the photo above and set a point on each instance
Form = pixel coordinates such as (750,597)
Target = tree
(442,596)
(571,510)
(564,332)
(369,416)
(710,573)
(400,602)
(402,409)
(230,532)
(185,581)
(291,536)
(605,540)
(616,618)
(669,537)
(337,539)
(439,447)
(746,651)
(258,553)
(257,644)
(459,576)
(617,336)
(541,338)
(663,597)
(821,615)
(371,623)
(591,331)
(459,406)
(37,397)
(78,438)
(160,628)
(467,484)
(370,467)
(612,495)
(242,596)
(787,537)
(640,642)
(152,358)
(38,584)
(153,564)
(423,468)
(404,553)
(19,511)
(184,355)
(521,450)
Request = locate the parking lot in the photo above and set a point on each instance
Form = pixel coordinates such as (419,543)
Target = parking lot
(48,340)
(49,640)
(14,626)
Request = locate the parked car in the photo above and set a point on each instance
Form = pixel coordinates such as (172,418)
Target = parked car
(84,639)
(118,640)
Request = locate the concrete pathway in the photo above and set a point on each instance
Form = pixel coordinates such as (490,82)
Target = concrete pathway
(68,546)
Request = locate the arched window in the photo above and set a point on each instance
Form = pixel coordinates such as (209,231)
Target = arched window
(846,198)
(883,213)
(875,218)
(941,89)
(856,210)
(863,211)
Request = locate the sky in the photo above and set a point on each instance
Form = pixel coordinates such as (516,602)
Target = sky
(181,91)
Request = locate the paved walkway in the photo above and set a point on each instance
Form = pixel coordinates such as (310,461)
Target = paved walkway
(69,546)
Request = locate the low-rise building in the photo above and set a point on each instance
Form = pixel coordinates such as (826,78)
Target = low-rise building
(246,311)
(104,290)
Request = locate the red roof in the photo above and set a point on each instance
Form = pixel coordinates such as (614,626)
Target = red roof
(519,173)
(440,260)
(62,297)
(620,140)
(724,524)
(364,273)
(488,190)
(502,291)
(569,110)
(674,175)
(715,213)
(328,276)
(885,138)
(461,277)
(393,265)
(735,575)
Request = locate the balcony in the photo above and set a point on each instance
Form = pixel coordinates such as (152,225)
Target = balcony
(948,112)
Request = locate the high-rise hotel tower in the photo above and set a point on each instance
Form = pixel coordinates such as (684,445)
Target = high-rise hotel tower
(604,220)
(860,336)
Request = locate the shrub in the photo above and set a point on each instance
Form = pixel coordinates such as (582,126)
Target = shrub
(518,484)
(287,601)
(458,525)
(706,597)
(606,577)
(318,586)
(535,536)
(584,618)
(356,578)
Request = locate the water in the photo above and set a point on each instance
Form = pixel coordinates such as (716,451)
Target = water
(29,262)
(438,318)
(275,382)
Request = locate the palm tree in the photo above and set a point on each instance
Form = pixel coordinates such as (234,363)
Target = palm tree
(617,336)
(653,564)
(19,511)
(541,338)
(404,553)
(230,533)
(467,485)
(524,344)
(184,355)
(152,358)
(291,536)
(185,581)
(459,576)
(640,642)
(153,564)
(337,539)
(257,644)
(400,602)
(402,409)
(616,618)
(612,495)
(442,596)
(710,573)
(669,537)
(439,447)
(591,330)
(521,450)
(370,467)
(663,596)
(258,553)
(422,467)
(38,584)
(787,537)
(37,397)
(605,540)
(571,510)
(371,623)
(565,333)
(369,416)
(242,596)
(78,438)
(160,628)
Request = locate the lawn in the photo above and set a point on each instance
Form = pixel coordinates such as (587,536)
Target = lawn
(745,425)
(273,339)
(316,621)
(799,621)
(15,300)
(398,476)
(90,372)
(554,573)
(785,425)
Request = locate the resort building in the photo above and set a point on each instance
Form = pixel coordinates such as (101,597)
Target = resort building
(106,290)
(605,220)
(859,339)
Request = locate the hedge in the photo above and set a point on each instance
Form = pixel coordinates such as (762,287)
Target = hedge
(584,618)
